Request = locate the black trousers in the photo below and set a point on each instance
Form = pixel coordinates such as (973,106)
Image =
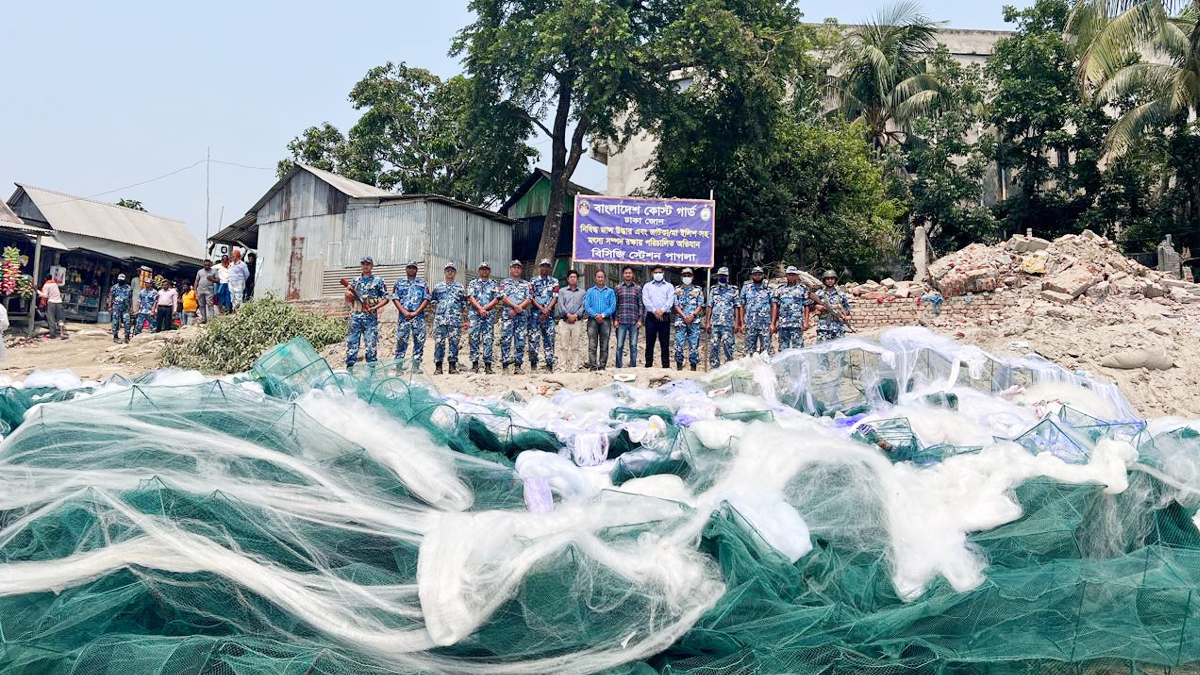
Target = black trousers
(657,330)
(163,322)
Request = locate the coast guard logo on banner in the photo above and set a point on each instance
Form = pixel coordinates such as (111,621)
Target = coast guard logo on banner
(705,214)
(584,208)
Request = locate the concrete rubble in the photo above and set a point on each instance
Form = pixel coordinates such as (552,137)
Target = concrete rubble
(1084,269)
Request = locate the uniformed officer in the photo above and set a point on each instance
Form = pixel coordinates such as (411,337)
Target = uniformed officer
(450,298)
(754,313)
(483,294)
(120,298)
(147,300)
(789,311)
(719,320)
(367,294)
(689,305)
(411,297)
(515,296)
(544,290)
(833,307)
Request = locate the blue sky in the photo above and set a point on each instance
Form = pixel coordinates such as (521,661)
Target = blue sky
(98,96)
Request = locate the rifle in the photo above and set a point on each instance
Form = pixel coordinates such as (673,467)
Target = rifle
(837,314)
(358,298)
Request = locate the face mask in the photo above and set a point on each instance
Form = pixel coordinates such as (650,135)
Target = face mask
(687,280)
(722,280)
(658,276)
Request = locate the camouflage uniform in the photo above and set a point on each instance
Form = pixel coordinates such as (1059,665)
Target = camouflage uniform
(722,299)
(364,325)
(450,299)
(756,300)
(410,293)
(688,299)
(829,327)
(481,330)
(147,299)
(544,292)
(120,297)
(792,301)
(513,328)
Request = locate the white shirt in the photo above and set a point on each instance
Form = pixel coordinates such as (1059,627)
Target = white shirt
(222,274)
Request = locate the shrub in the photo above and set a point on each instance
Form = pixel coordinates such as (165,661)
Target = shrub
(230,344)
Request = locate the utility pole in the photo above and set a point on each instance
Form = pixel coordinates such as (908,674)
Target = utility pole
(207,190)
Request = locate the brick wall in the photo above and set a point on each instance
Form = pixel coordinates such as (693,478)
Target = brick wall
(905,311)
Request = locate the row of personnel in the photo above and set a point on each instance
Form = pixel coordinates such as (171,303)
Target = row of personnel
(536,309)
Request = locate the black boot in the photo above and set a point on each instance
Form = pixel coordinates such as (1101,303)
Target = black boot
(437,368)
(474,366)
(679,366)
(518,370)
(453,368)
(549,367)
(693,367)
(487,368)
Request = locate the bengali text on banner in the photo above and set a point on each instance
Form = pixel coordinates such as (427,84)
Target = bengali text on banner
(625,230)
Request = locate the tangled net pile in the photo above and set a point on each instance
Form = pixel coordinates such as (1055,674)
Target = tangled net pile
(904,506)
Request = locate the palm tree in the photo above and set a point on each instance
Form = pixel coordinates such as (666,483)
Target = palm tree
(882,78)
(1111,65)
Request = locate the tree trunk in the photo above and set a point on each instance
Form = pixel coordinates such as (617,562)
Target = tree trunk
(559,177)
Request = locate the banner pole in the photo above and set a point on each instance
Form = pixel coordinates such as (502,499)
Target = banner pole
(708,283)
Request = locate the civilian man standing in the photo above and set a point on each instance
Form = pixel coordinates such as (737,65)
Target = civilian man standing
(206,289)
(573,324)
(239,276)
(630,312)
(600,303)
(658,297)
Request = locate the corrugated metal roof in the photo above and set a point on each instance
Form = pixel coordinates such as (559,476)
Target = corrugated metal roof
(442,199)
(350,188)
(7,215)
(84,217)
(242,232)
(537,175)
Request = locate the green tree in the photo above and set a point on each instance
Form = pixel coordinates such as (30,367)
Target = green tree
(323,147)
(1049,137)
(884,81)
(948,154)
(602,68)
(420,134)
(1111,64)
(802,190)
(131,204)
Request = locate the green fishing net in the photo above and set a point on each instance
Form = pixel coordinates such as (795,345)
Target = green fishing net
(904,506)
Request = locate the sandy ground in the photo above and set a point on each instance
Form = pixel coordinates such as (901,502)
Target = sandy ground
(1074,337)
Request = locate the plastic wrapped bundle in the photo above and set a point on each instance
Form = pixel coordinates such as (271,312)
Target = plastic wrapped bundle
(911,505)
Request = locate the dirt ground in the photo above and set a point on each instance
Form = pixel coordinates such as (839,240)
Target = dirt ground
(1076,338)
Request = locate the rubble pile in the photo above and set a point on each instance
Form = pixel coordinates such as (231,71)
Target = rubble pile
(1085,268)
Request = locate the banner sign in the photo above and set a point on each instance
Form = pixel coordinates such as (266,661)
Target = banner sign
(669,232)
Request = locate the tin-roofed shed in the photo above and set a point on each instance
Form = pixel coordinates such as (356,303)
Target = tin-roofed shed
(312,227)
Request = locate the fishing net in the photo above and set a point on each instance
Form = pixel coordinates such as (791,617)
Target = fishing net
(910,505)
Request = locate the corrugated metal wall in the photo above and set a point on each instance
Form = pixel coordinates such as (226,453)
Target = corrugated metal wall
(292,253)
(467,239)
(298,257)
(303,196)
